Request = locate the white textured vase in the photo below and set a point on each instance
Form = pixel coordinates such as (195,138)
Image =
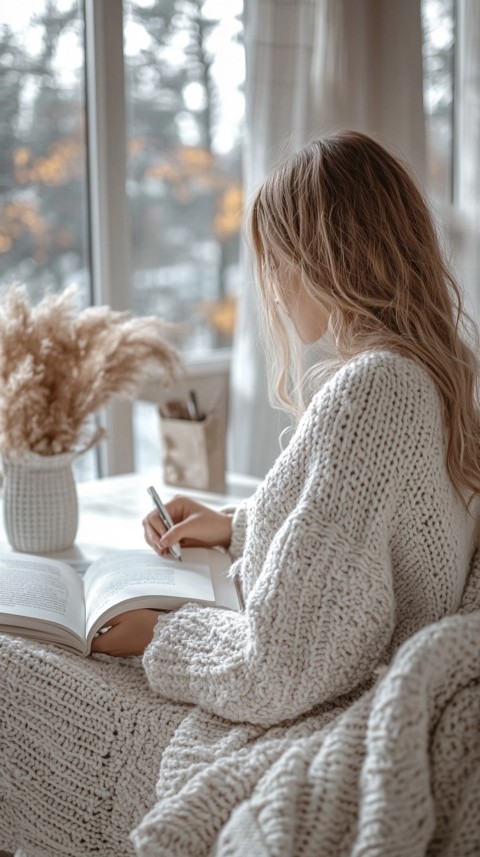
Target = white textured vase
(40,507)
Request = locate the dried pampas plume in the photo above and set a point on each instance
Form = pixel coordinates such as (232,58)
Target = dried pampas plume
(59,365)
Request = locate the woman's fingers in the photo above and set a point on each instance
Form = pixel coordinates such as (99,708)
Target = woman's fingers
(204,527)
(154,522)
(190,528)
(153,532)
(193,523)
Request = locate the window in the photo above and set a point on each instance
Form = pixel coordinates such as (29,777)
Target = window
(452,111)
(438,19)
(43,173)
(184,72)
(43,209)
(184,65)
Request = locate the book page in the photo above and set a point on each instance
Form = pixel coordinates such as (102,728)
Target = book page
(41,589)
(226,592)
(125,575)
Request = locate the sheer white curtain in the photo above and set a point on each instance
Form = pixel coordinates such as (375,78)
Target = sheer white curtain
(314,66)
(280,40)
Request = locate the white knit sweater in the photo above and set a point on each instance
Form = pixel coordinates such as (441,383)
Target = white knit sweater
(353,542)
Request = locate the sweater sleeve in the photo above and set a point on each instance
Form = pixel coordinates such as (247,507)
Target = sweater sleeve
(321,610)
(238,515)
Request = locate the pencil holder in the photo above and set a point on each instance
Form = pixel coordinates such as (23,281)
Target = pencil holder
(193,452)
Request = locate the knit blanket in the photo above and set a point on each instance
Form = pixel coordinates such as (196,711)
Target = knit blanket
(393,772)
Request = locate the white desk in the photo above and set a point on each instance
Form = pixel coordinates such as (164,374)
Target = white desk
(111,511)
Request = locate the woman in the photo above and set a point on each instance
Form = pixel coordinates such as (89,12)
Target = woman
(360,534)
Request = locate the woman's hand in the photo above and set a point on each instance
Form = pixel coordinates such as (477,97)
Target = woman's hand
(194,525)
(128,634)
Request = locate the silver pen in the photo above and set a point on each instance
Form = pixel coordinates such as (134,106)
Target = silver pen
(166,520)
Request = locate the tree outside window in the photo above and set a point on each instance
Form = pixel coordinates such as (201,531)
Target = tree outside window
(43,193)
(185,107)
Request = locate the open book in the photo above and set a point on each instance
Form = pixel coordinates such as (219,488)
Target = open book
(47,600)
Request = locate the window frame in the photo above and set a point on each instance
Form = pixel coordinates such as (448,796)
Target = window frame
(111,267)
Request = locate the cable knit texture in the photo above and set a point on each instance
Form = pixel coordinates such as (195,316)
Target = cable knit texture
(353,542)
(285,729)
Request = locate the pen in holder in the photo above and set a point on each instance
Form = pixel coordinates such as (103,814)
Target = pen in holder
(193,446)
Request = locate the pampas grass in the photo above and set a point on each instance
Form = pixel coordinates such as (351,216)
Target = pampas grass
(59,365)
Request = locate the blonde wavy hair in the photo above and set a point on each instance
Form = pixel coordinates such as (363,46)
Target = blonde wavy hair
(345,218)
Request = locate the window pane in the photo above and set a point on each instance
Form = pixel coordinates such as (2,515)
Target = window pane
(43,192)
(438,19)
(185,106)
(42,145)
